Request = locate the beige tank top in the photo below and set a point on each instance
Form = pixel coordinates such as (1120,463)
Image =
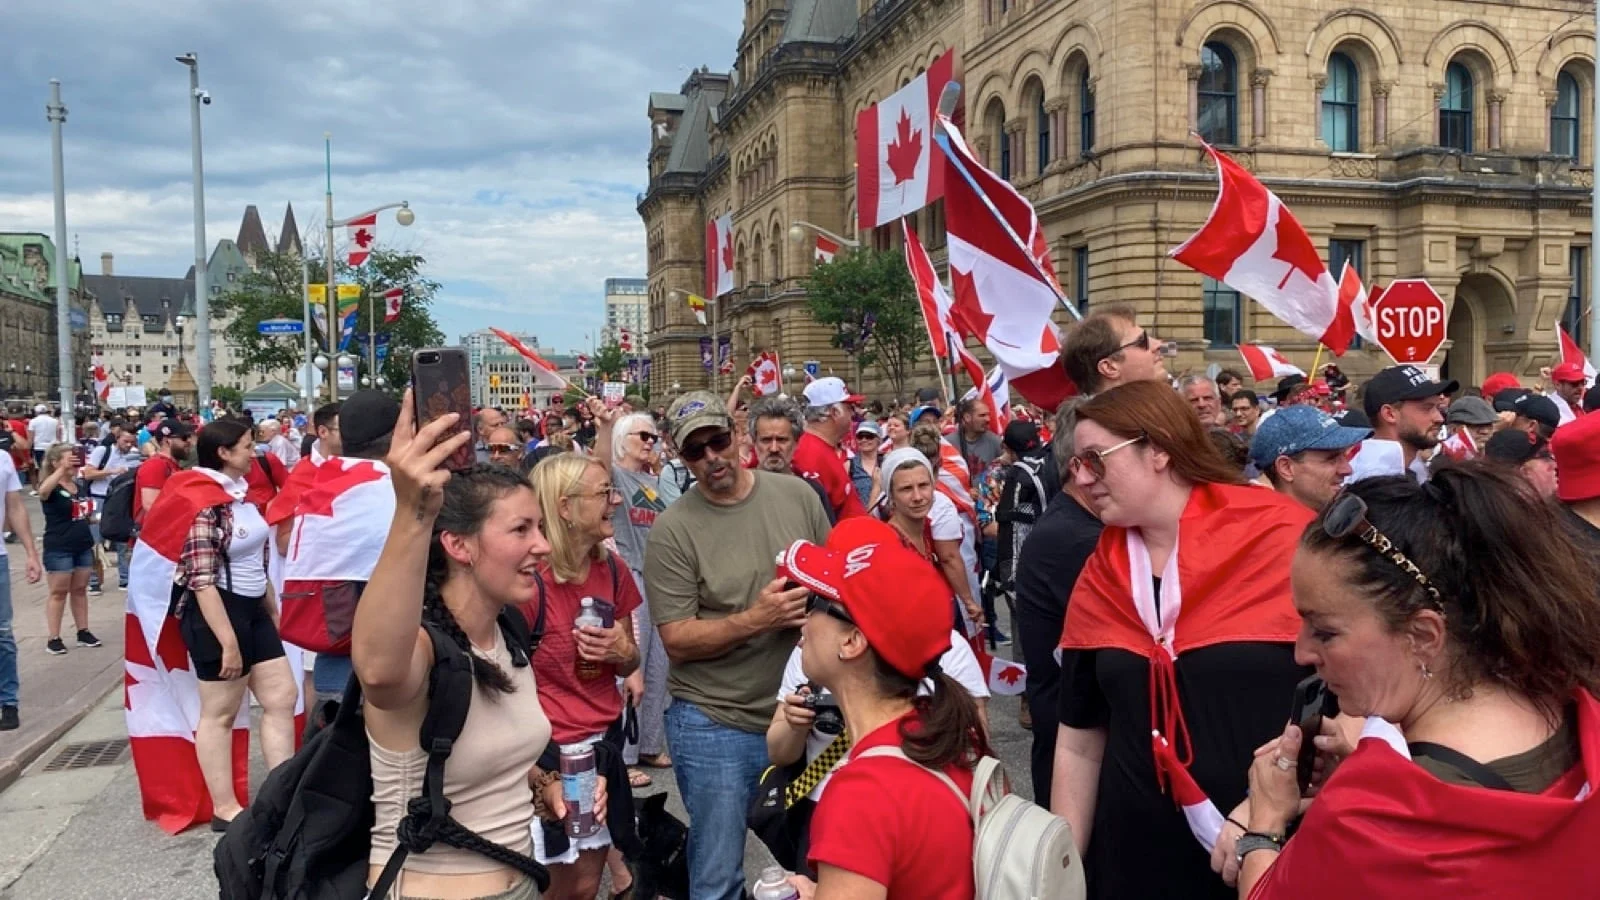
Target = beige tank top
(486,777)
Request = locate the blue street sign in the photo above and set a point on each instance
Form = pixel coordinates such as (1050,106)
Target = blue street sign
(281,326)
(79,319)
(813,367)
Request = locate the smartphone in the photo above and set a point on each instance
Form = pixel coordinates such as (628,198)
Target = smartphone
(78,457)
(441,384)
(607,611)
(1313,702)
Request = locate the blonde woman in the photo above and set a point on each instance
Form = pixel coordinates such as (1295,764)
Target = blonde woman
(577,668)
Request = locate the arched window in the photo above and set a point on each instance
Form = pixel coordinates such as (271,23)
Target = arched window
(1455,109)
(1043,119)
(1003,140)
(1223,314)
(1085,114)
(1341,111)
(775,269)
(1566,116)
(1218,93)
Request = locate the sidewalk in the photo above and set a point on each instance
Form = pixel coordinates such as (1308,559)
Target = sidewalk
(57,691)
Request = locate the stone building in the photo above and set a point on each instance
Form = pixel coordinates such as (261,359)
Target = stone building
(29,366)
(1439,143)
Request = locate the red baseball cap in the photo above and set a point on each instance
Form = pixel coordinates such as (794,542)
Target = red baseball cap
(1576,447)
(1568,373)
(898,599)
(1498,382)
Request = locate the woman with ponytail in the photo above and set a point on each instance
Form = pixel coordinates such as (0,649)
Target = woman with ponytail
(1459,618)
(462,547)
(878,628)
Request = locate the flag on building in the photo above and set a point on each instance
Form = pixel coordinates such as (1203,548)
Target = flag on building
(827,249)
(725,355)
(644,370)
(706,359)
(1252,243)
(1266,363)
(392,298)
(766,379)
(362,233)
(897,168)
(544,372)
(624,340)
(1000,271)
(697,305)
(719,255)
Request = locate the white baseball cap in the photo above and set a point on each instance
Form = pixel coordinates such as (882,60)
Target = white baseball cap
(41,409)
(828,391)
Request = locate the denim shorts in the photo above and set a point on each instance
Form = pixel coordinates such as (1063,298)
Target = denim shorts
(67,560)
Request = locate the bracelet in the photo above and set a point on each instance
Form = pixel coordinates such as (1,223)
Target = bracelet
(1276,839)
(540,782)
(1235,823)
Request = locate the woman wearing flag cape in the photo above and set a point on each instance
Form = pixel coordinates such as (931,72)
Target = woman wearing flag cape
(1461,620)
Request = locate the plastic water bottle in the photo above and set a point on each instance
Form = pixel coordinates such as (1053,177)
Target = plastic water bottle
(774,885)
(586,617)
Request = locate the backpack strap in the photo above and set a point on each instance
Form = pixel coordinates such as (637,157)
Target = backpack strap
(1481,774)
(892,752)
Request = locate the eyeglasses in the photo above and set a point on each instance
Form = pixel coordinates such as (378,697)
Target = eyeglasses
(502,449)
(649,437)
(1347,516)
(608,492)
(821,604)
(717,443)
(1095,460)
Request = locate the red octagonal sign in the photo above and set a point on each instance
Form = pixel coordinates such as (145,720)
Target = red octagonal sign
(1408,316)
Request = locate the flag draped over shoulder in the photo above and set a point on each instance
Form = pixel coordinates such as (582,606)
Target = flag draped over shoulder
(341,521)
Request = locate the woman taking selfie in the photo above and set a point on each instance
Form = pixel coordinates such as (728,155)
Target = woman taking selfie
(1459,618)
(885,827)
(68,546)
(463,547)
(578,665)
(1182,623)
(927,522)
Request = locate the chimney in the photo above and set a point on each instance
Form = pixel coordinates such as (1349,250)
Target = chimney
(105,263)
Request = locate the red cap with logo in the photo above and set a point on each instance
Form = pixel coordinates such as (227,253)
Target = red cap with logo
(1498,382)
(1568,373)
(1576,447)
(898,599)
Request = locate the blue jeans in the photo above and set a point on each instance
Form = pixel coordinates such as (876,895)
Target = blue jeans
(8,640)
(717,768)
(330,674)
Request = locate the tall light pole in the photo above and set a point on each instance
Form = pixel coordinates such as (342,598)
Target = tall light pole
(1594,228)
(202,293)
(57,114)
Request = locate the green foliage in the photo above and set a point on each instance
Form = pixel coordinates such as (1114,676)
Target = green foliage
(873,286)
(610,362)
(232,398)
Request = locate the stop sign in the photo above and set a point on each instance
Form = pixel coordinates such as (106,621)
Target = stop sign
(1408,316)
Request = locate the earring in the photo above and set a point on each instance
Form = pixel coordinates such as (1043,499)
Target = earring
(1425,673)
(841,657)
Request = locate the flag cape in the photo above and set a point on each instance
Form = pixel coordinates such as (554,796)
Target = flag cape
(1227,581)
(1266,363)
(544,373)
(341,520)
(1384,827)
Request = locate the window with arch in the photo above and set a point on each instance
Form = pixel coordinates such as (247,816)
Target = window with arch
(1223,313)
(775,263)
(1042,118)
(1004,142)
(1574,318)
(1085,114)
(1455,109)
(1566,116)
(1341,108)
(1218,94)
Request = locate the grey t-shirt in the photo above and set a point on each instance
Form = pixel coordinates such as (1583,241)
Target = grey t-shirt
(708,562)
(979,453)
(641,504)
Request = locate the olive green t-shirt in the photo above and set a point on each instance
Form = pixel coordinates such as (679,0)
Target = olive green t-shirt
(708,562)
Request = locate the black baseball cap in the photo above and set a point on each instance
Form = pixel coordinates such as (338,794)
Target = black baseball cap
(1506,400)
(366,416)
(1021,436)
(1515,446)
(1350,417)
(173,428)
(1398,384)
(1539,408)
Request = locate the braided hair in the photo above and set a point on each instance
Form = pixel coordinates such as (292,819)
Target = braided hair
(468,497)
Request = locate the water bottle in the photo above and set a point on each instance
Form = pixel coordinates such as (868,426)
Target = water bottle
(587,616)
(578,780)
(774,885)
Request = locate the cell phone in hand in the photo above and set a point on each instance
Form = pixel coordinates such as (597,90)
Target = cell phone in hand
(1313,702)
(440,385)
(607,611)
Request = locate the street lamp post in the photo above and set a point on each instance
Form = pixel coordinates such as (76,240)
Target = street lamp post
(799,227)
(57,114)
(202,294)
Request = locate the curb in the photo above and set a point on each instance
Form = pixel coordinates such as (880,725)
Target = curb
(91,694)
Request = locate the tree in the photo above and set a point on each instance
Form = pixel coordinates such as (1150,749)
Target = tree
(870,292)
(232,398)
(272,291)
(610,362)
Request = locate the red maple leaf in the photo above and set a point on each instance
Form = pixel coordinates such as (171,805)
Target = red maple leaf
(333,479)
(363,238)
(1295,248)
(1009,674)
(966,311)
(904,151)
(727,257)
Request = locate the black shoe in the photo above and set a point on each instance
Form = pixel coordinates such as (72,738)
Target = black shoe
(55,647)
(220,826)
(8,718)
(94,590)
(86,638)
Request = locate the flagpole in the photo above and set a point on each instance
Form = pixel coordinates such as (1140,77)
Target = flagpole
(335,326)
(1316,361)
(372,335)
(305,298)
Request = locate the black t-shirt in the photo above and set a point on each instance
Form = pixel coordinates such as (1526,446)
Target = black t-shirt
(1588,535)
(66,522)
(1235,698)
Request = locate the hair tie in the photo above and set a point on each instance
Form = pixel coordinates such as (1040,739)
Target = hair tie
(933,670)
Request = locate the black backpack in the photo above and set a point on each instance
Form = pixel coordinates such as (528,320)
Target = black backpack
(307,834)
(116,514)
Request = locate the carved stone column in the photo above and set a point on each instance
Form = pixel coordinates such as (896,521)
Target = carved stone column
(1438,102)
(1320,83)
(1057,111)
(1258,104)
(1193,71)
(1380,112)
(981,146)
(1017,132)
(1497,99)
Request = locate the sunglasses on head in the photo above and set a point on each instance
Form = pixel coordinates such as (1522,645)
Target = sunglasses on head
(695,451)
(1347,515)
(818,603)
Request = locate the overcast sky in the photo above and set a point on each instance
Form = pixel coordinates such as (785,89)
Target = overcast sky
(516,129)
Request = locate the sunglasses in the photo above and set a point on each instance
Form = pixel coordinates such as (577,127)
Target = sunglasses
(818,603)
(649,437)
(696,451)
(1095,460)
(1347,516)
(502,448)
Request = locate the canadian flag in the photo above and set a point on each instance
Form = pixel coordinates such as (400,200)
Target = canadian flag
(544,372)
(827,249)
(362,233)
(1253,244)
(1005,286)
(996,395)
(1353,297)
(935,301)
(392,298)
(161,694)
(719,255)
(340,522)
(766,379)
(1266,363)
(1572,353)
(624,340)
(896,171)
(102,381)
(1459,446)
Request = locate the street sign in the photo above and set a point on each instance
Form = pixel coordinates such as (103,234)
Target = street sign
(1409,317)
(280,326)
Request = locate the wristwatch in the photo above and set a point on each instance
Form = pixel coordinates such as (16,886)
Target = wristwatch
(1254,840)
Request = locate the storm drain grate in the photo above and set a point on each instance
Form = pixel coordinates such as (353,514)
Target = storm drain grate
(87,754)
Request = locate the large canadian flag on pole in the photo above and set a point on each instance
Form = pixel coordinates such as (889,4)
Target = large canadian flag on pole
(1266,363)
(392,300)
(1005,286)
(362,233)
(931,295)
(719,255)
(1253,244)
(102,382)
(544,372)
(897,169)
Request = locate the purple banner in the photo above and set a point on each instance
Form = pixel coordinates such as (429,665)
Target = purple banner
(644,371)
(725,354)
(705,353)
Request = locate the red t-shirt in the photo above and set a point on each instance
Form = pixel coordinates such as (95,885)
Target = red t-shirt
(579,708)
(152,474)
(814,459)
(262,488)
(887,820)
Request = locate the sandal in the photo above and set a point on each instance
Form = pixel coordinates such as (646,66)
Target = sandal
(656,761)
(638,779)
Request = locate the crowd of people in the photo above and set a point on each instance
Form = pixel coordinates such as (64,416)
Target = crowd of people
(787,600)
